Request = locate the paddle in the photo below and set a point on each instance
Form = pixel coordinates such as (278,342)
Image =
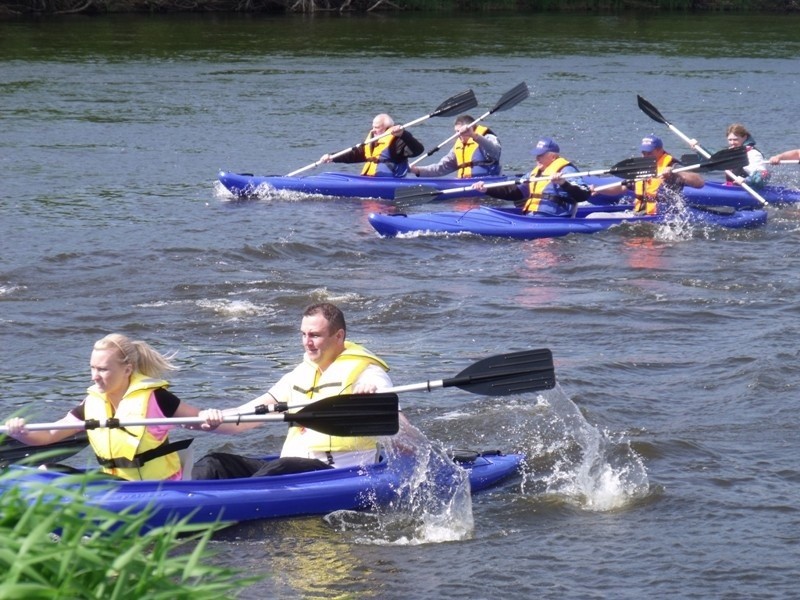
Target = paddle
(12,451)
(346,415)
(452,106)
(508,100)
(715,210)
(729,158)
(689,159)
(630,168)
(652,112)
(500,375)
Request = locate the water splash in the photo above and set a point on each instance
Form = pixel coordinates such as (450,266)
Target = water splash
(10,289)
(433,503)
(677,225)
(578,463)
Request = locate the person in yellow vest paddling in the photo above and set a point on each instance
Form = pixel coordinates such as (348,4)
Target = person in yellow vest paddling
(547,193)
(385,157)
(649,192)
(127,384)
(475,153)
(332,365)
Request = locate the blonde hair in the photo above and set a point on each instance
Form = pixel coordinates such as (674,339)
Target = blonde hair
(138,354)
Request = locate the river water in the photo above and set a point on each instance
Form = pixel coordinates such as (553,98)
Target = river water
(663,464)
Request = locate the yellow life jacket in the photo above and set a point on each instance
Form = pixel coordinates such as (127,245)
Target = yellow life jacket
(122,451)
(470,158)
(536,196)
(310,384)
(376,156)
(646,190)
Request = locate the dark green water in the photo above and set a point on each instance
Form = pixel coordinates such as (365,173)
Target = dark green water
(409,36)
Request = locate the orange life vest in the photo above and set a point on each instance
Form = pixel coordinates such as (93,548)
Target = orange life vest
(646,190)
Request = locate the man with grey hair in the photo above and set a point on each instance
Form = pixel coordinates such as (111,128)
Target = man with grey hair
(386,156)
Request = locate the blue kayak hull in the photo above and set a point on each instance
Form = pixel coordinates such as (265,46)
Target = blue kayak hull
(356,186)
(713,193)
(278,496)
(511,223)
(340,184)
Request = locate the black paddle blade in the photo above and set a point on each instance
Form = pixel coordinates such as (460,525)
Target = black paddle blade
(511,98)
(725,211)
(504,374)
(12,451)
(416,193)
(350,415)
(692,158)
(634,168)
(650,110)
(729,158)
(456,105)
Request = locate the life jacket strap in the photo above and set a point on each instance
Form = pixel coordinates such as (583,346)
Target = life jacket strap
(140,459)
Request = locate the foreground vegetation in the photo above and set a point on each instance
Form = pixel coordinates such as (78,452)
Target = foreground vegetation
(58,547)
(53,7)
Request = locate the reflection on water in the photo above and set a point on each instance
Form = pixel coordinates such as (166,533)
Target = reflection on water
(644,252)
(311,560)
(202,37)
(537,270)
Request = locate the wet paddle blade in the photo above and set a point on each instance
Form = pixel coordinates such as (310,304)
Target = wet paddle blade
(729,158)
(511,98)
(415,194)
(725,211)
(634,168)
(350,415)
(650,110)
(504,374)
(12,451)
(692,159)
(455,105)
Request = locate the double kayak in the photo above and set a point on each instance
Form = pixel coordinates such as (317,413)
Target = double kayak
(345,185)
(278,496)
(513,223)
(713,193)
(339,184)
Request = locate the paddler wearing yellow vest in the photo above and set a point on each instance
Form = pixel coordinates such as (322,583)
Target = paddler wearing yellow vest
(386,157)
(554,196)
(475,153)
(127,384)
(332,365)
(649,193)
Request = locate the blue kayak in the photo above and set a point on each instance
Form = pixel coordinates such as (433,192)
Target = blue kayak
(512,223)
(713,193)
(277,496)
(342,185)
(345,185)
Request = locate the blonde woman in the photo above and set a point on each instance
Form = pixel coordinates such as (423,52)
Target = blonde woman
(128,383)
